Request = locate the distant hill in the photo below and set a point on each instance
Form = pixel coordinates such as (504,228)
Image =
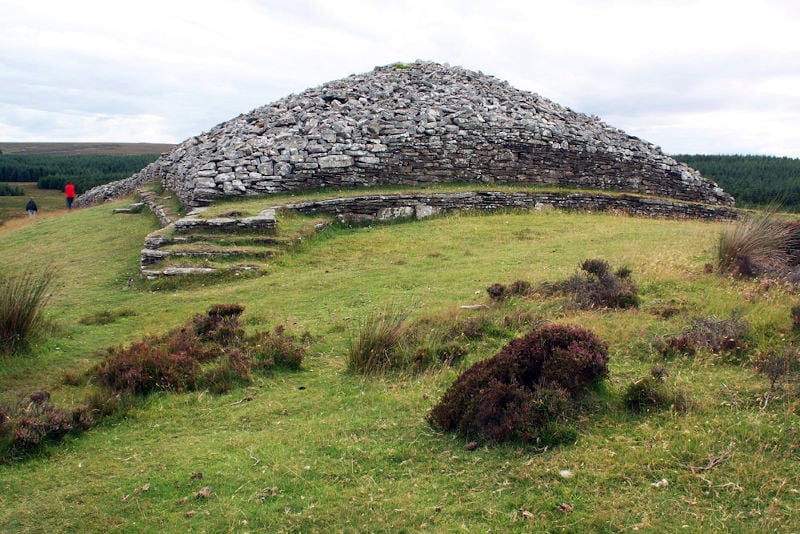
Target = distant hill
(84,149)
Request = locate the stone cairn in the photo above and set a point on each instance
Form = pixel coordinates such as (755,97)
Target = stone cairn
(416,124)
(412,125)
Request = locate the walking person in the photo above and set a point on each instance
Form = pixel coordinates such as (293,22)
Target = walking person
(31,207)
(69,193)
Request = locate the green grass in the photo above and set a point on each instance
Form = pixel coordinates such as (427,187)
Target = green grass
(47,200)
(349,453)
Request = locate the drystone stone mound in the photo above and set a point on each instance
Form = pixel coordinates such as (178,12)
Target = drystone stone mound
(414,124)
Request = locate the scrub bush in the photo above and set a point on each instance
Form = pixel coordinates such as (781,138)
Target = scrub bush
(146,366)
(497,291)
(528,390)
(779,367)
(718,336)
(34,420)
(278,348)
(211,350)
(595,286)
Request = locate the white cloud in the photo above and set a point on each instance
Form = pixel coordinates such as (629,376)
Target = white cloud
(25,124)
(701,75)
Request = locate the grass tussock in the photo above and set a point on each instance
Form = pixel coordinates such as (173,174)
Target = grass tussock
(376,346)
(22,302)
(754,245)
(653,393)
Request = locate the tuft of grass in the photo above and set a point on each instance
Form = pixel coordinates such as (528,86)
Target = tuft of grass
(652,393)
(753,245)
(376,347)
(22,302)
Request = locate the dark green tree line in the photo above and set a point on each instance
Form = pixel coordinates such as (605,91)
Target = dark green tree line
(85,171)
(752,180)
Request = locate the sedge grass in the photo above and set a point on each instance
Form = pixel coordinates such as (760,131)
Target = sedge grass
(22,302)
(760,238)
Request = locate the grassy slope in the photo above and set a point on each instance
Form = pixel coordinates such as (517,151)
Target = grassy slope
(347,453)
(47,200)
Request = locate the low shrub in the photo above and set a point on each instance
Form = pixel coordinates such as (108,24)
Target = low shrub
(596,267)
(520,288)
(526,390)
(146,366)
(780,367)
(219,324)
(211,350)
(595,286)
(675,346)
(497,291)
(22,302)
(33,421)
(719,335)
(278,348)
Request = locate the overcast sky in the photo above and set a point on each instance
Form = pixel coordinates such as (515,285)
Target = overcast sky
(692,76)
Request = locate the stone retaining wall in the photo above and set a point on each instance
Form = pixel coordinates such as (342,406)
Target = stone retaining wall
(387,207)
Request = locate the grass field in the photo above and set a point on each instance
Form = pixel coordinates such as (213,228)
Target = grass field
(47,200)
(323,450)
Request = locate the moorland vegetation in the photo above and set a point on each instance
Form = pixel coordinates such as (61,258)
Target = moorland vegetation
(469,371)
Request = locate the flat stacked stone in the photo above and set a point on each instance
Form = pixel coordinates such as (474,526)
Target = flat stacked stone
(417,125)
(366,208)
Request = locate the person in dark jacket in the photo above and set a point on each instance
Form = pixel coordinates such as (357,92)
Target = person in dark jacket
(69,193)
(31,207)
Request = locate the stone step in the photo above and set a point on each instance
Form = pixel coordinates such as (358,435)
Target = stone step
(158,240)
(131,208)
(152,256)
(152,274)
(263,222)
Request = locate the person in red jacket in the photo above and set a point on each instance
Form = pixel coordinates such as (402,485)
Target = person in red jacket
(69,192)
